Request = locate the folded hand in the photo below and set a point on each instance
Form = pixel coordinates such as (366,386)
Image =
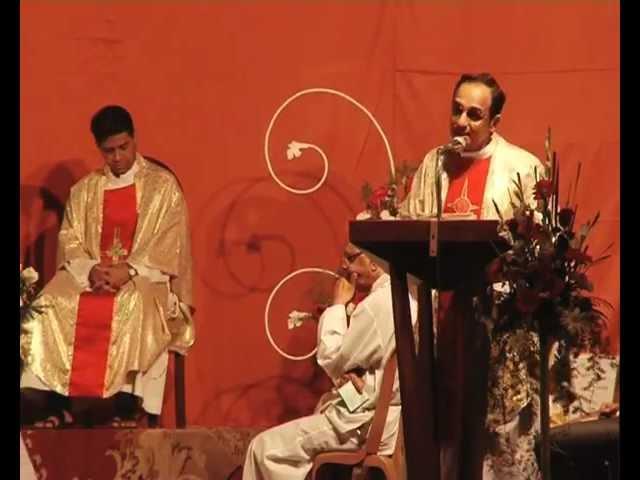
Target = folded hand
(357,381)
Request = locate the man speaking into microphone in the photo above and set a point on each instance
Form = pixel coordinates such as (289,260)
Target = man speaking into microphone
(477,165)
(462,179)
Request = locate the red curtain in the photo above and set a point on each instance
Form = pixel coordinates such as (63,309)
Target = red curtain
(203,81)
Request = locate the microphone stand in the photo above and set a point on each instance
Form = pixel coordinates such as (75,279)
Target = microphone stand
(438,181)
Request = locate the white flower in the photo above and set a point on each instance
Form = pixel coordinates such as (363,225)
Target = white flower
(364,215)
(293,150)
(296,318)
(29,276)
(386,215)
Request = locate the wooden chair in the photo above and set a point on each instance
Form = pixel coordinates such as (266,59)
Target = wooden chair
(179,394)
(393,467)
(178,359)
(368,457)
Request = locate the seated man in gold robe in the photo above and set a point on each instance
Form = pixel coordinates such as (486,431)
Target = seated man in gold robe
(121,297)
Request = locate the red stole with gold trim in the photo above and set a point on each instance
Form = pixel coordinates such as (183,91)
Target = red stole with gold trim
(466,187)
(95,310)
(467,181)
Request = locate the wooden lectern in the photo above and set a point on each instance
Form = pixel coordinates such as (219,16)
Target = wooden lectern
(443,255)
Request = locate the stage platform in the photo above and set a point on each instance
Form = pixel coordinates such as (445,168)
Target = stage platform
(151,454)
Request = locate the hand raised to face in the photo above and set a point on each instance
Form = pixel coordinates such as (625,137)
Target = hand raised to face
(344,289)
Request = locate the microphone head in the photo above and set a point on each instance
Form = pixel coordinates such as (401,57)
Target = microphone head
(459,143)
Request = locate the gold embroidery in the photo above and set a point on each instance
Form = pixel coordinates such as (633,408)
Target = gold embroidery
(462,205)
(117,250)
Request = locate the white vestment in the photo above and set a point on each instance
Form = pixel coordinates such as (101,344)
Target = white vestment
(286,452)
(507,161)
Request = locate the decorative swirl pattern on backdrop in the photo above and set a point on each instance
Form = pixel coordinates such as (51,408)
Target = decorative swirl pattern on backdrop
(268,307)
(294,151)
(295,148)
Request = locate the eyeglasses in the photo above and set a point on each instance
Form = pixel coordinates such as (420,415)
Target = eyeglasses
(474,114)
(351,257)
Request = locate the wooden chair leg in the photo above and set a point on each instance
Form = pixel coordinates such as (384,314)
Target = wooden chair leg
(181,413)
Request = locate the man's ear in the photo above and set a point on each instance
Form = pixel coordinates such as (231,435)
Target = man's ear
(495,121)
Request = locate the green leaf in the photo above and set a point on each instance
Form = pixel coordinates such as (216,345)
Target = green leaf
(495,205)
(366,192)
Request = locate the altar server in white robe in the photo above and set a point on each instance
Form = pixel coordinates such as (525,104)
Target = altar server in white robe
(362,343)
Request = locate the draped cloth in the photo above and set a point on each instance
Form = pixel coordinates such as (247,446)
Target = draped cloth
(469,187)
(141,327)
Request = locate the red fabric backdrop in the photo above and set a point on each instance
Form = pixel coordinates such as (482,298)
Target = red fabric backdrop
(204,79)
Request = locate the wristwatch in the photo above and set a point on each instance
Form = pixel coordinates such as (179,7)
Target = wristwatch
(132,272)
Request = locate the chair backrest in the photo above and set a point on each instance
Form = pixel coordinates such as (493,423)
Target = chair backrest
(382,406)
(179,360)
(160,164)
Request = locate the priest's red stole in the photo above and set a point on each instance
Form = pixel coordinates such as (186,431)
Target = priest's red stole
(464,197)
(95,310)
(466,187)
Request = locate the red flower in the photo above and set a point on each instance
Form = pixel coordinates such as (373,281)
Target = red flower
(551,283)
(565,217)
(377,198)
(527,300)
(542,189)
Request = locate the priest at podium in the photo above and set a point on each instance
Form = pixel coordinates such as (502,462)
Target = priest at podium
(462,180)
(121,297)
(478,165)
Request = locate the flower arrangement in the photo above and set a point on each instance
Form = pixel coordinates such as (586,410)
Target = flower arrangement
(541,286)
(382,202)
(28,291)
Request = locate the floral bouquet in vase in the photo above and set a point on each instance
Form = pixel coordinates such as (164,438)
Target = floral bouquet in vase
(543,285)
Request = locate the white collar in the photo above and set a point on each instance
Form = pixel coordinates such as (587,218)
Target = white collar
(380,282)
(486,151)
(123,180)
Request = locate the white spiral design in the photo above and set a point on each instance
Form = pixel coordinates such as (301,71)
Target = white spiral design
(268,307)
(295,148)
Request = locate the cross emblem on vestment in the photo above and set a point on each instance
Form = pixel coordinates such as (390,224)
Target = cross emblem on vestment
(117,250)
(462,205)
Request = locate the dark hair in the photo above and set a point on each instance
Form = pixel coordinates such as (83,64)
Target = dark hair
(110,120)
(498,97)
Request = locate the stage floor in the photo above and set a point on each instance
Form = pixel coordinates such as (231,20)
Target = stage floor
(158,454)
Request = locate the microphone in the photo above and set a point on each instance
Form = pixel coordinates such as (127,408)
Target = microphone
(457,144)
